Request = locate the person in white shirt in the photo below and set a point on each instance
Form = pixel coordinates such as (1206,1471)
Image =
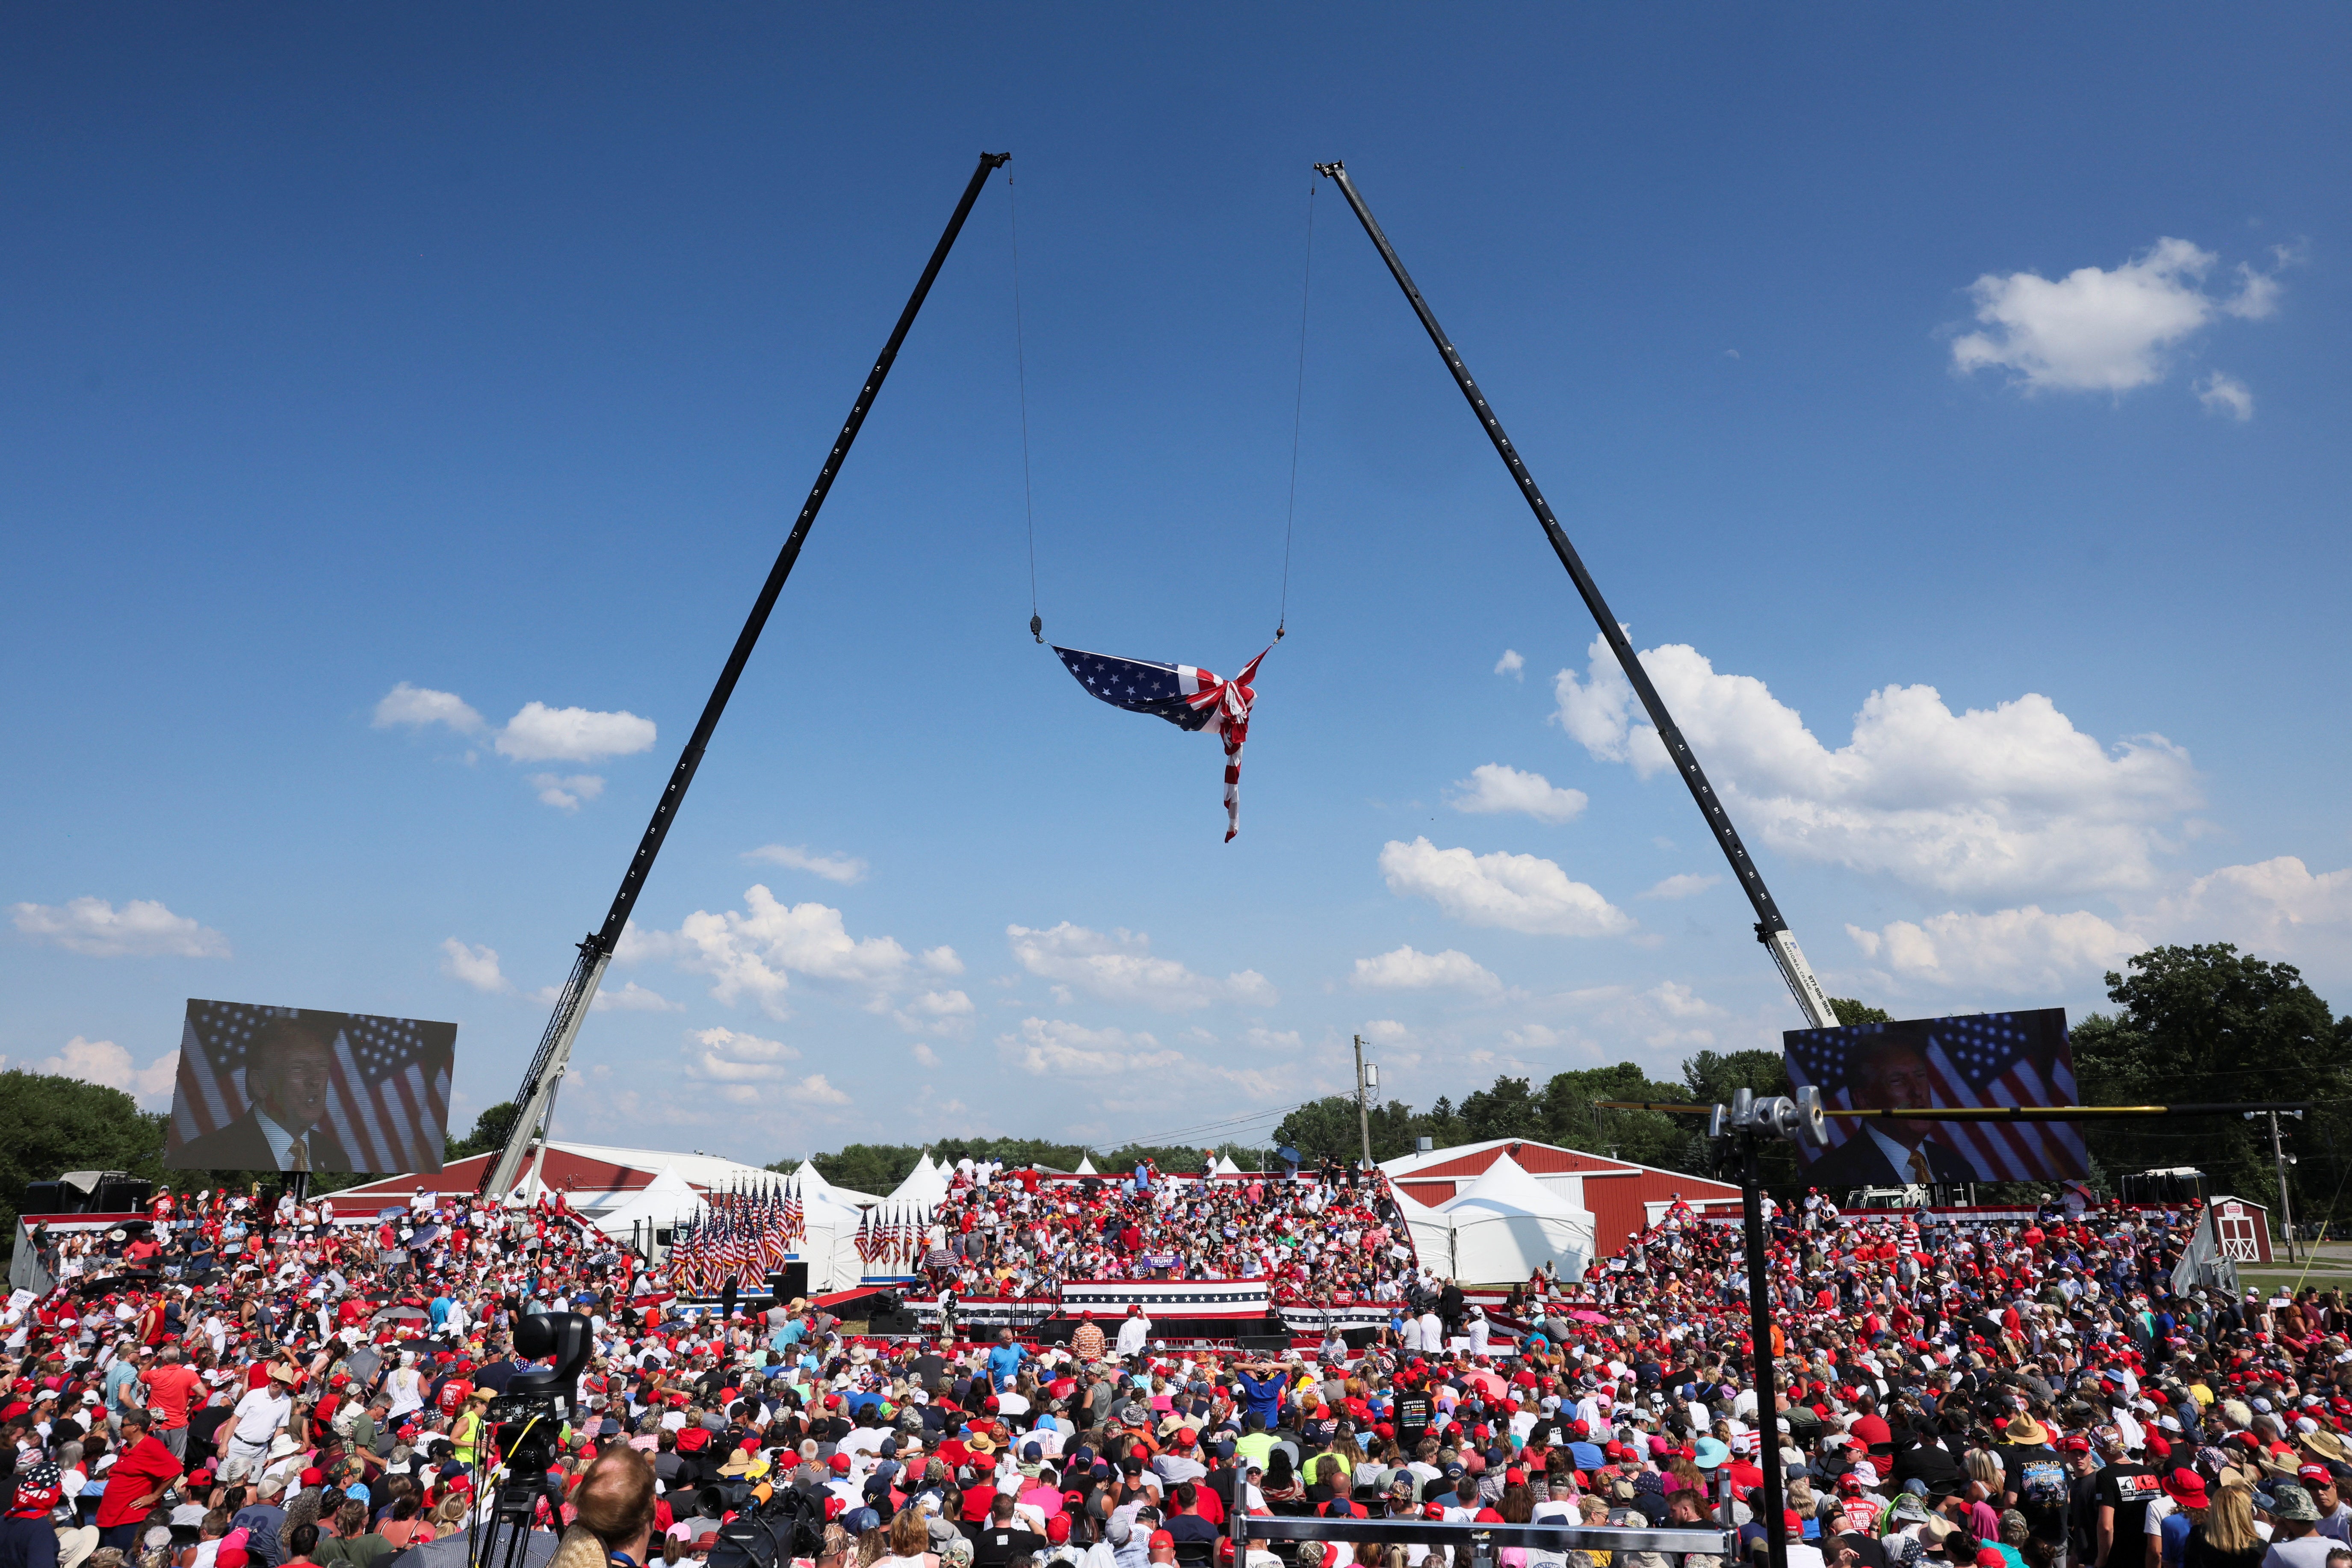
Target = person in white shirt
(258,1417)
(1133,1334)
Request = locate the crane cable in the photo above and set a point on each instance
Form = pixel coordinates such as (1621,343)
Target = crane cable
(1020,372)
(1021,379)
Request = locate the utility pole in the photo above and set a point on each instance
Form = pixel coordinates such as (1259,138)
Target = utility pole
(2282,1160)
(1363,1106)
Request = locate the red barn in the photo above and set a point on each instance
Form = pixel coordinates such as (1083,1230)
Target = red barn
(1624,1198)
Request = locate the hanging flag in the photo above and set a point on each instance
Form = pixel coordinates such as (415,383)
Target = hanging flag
(1188,698)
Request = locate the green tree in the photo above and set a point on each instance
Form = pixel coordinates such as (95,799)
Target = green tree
(1503,1109)
(2207,1023)
(1647,1137)
(1851,1012)
(49,1125)
(491,1130)
(1327,1129)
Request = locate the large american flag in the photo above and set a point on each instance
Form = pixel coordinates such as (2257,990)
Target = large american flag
(387,1088)
(1188,698)
(1980,1058)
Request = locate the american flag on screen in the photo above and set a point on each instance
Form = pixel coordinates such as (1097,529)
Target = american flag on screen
(1982,1059)
(387,1091)
(1187,697)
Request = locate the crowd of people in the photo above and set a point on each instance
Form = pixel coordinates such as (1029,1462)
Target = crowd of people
(1022,1234)
(2017,1395)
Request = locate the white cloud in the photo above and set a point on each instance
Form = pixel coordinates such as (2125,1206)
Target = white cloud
(1119,967)
(477,967)
(739,1065)
(1676,1000)
(755,952)
(817,1091)
(937,1010)
(2101,330)
(1406,970)
(2009,950)
(632,998)
(2226,395)
(566,792)
(842,869)
(1681,884)
(943,960)
(2277,906)
(1051,1046)
(141,928)
(1494,787)
(1517,892)
(2009,801)
(925,1055)
(420,706)
(538,733)
(104,1062)
(1513,664)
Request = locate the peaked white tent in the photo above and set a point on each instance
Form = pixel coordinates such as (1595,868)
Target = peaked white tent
(659,1205)
(926,1186)
(1086,1167)
(829,1246)
(1508,1224)
(1431,1232)
(812,1182)
(1225,1167)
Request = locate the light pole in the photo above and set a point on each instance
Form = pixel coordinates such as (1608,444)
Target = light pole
(2282,1160)
(1367,1078)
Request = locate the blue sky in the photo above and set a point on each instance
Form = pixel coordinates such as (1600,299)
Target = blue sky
(1954,403)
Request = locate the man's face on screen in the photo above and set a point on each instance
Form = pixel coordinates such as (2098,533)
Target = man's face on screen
(1896,1078)
(292,1090)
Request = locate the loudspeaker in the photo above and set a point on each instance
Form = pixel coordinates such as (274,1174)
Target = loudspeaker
(789,1281)
(121,1194)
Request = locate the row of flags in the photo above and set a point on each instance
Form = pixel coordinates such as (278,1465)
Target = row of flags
(741,1234)
(893,1237)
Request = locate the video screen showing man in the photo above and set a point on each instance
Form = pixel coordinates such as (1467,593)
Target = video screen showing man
(292,1089)
(1978,1060)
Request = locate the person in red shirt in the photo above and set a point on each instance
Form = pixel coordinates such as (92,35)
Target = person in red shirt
(171,1388)
(141,1473)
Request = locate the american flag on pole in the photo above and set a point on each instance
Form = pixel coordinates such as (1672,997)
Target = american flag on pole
(388,1079)
(1977,1060)
(1188,698)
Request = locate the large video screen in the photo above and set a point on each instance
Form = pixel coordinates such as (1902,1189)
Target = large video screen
(293,1088)
(1979,1058)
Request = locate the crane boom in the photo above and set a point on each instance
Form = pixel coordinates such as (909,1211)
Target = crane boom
(1772,929)
(535,1099)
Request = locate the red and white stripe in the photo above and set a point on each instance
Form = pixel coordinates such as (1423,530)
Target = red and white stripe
(2010,1150)
(392,1124)
(1233,700)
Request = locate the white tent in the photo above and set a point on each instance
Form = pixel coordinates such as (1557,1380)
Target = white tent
(1086,1167)
(1431,1232)
(1225,1167)
(829,1247)
(1508,1224)
(926,1186)
(812,1182)
(659,1205)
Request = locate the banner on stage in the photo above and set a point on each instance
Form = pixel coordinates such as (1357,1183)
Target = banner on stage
(1977,1060)
(294,1088)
